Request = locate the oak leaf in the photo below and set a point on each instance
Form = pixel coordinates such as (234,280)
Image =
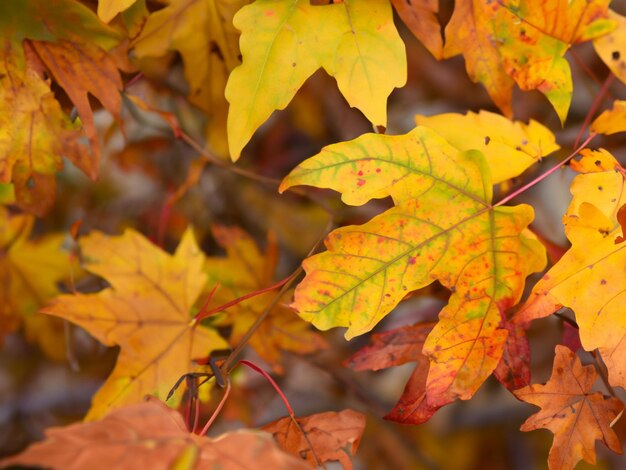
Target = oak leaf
(443,227)
(202,32)
(332,435)
(523,42)
(150,435)
(283,42)
(585,278)
(569,409)
(510,147)
(30,270)
(147,312)
(244,270)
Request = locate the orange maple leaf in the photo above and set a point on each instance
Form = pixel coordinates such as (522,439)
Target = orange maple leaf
(147,312)
(576,416)
(150,435)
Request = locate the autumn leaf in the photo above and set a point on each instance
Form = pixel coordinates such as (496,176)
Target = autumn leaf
(107,9)
(244,270)
(150,435)
(333,436)
(420,16)
(284,42)
(202,32)
(30,270)
(147,312)
(576,416)
(513,370)
(612,47)
(391,348)
(612,120)
(585,279)
(524,42)
(443,227)
(510,147)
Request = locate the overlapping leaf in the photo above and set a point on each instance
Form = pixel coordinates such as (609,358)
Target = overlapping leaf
(587,278)
(443,227)
(146,312)
(612,120)
(150,435)
(283,42)
(202,32)
(420,16)
(524,42)
(569,409)
(246,270)
(510,147)
(29,273)
(66,39)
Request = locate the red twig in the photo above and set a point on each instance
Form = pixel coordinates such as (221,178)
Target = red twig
(597,101)
(217,410)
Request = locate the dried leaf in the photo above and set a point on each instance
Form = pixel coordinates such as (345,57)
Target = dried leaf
(333,436)
(576,416)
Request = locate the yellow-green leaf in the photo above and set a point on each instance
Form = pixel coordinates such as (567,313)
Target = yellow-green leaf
(443,227)
(147,312)
(612,47)
(283,42)
(510,147)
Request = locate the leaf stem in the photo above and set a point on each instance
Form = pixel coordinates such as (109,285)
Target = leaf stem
(292,415)
(597,101)
(543,176)
(218,409)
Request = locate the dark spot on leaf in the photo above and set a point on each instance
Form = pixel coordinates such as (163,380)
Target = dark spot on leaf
(603,281)
(600,188)
(518,148)
(412,260)
(360,173)
(360,182)
(613,200)
(598,162)
(615,55)
(487,140)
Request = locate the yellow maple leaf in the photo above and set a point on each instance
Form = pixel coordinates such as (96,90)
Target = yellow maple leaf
(29,273)
(612,120)
(283,42)
(147,312)
(510,147)
(443,227)
(244,270)
(202,32)
(589,278)
(523,42)
(612,47)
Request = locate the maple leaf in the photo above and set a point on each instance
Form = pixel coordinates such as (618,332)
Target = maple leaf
(202,32)
(523,42)
(510,147)
(612,120)
(146,312)
(150,435)
(244,270)
(283,42)
(585,278)
(576,416)
(443,227)
(420,16)
(29,273)
(71,42)
(333,436)
(612,47)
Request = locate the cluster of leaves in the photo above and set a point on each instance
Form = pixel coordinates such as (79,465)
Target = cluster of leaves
(171,314)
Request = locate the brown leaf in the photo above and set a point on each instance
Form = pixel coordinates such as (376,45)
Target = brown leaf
(333,436)
(391,348)
(420,16)
(576,416)
(150,435)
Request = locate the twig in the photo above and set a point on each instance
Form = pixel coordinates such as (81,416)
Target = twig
(218,409)
(597,101)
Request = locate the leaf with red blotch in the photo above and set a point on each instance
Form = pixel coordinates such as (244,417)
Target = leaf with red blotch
(621,219)
(332,435)
(576,416)
(150,435)
(391,348)
(513,371)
